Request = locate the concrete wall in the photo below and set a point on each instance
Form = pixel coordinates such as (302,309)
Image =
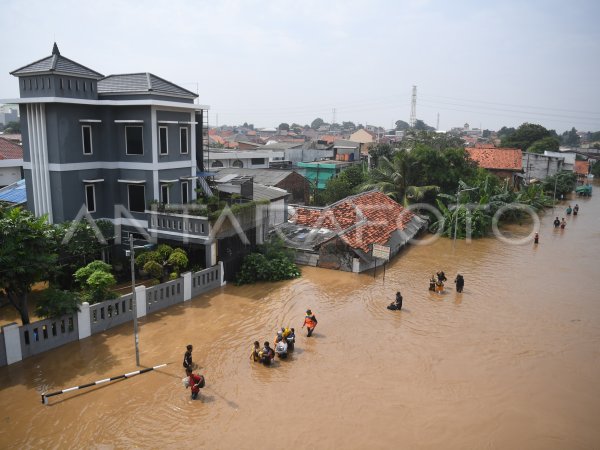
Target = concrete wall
(18,342)
(540,166)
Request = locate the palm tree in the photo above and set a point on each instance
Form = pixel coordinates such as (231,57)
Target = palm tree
(393,178)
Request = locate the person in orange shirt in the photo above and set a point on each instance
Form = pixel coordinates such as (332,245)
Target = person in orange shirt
(310,321)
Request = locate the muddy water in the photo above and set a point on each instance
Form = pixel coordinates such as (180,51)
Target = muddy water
(513,362)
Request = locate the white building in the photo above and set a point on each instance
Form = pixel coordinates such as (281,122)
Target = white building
(254,159)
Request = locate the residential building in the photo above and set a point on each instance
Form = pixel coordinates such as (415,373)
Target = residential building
(319,172)
(9,113)
(582,169)
(341,235)
(288,180)
(538,167)
(11,162)
(256,159)
(505,163)
(14,194)
(365,138)
(568,159)
(96,141)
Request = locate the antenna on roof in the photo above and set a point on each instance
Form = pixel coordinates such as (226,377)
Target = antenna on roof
(55,50)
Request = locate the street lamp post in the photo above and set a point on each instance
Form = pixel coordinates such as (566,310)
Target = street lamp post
(134,303)
(456,212)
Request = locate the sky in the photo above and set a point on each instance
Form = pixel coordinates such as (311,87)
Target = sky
(486,63)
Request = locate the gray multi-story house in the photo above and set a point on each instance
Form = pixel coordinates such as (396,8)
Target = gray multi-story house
(100,141)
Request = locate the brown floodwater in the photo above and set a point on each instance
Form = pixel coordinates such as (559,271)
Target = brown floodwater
(513,362)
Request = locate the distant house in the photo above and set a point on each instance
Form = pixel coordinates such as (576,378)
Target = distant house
(582,168)
(568,158)
(14,194)
(319,172)
(506,163)
(365,138)
(292,182)
(11,162)
(341,235)
(537,167)
(221,158)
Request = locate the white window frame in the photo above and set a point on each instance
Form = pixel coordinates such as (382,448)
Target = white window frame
(126,149)
(129,199)
(164,186)
(86,186)
(187,141)
(164,151)
(83,139)
(184,188)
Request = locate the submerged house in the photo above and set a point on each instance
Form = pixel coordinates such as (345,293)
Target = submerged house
(341,235)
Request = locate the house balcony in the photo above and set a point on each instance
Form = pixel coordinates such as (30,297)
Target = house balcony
(180,224)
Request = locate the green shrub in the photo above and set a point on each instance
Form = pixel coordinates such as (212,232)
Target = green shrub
(273,263)
(55,303)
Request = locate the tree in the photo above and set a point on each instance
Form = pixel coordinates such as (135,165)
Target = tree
(284,126)
(162,261)
(95,281)
(548,143)
(348,126)
(486,134)
(505,132)
(12,127)
(401,125)
(76,251)
(571,138)
(564,182)
(379,151)
(438,141)
(272,262)
(55,303)
(316,124)
(525,136)
(595,136)
(26,255)
(345,184)
(395,177)
(420,125)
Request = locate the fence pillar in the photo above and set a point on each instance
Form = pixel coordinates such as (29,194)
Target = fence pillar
(222,272)
(140,300)
(187,286)
(355,265)
(84,323)
(12,343)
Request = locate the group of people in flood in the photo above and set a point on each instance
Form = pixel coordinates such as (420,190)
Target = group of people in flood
(436,283)
(284,342)
(195,381)
(563,223)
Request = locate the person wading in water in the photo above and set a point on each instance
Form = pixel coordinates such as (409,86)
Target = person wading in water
(310,322)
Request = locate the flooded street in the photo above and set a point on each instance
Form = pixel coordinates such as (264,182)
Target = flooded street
(513,362)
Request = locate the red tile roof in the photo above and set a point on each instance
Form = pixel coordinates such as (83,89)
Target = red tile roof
(10,150)
(360,220)
(582,167)
(497,158)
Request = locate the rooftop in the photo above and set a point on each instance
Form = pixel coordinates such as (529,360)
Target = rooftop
(14,193)
(497,158)
(141,82)
(582,167)
(10,150)
(268,177)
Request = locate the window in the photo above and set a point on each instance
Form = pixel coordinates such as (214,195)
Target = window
(84,86)
(183,140)
(91,86)
(77,85)
(69,84)
(164,193)
(256,161)
(86,136)
(163,140)
(137,197)
(36,83)
(90,197)
(48,82)
(184,192)
(30,84)
(237,163)
(134,140)
(24,86)
(217,163)
(62,86)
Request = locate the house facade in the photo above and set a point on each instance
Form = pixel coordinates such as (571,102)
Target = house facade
(109,144)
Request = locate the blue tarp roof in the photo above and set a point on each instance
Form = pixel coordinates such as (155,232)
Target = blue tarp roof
(14,193)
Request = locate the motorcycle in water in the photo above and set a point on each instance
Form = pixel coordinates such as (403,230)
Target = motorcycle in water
(281,349)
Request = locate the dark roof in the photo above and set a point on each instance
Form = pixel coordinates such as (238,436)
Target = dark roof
(14,193)
(56,63)
(268,177)
(141,82)
(262,192)
(10,150)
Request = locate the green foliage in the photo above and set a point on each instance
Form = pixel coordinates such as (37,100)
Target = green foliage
(548,143)
(55,303)
(163,261)
(437,141)
(571,138)
(564,181)
(26,255)
(284,126)
(76,250)
(12,127)
(595,136)
(524,136)
(422,126)
(401,125)
(95,281)
(274,262)
(596,170)
(345,184)
(378,151)
(315,124)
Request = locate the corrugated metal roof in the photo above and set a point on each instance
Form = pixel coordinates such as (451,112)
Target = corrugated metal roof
(14,193)
(56,63)
(268,177)
(261,192)
(141,82)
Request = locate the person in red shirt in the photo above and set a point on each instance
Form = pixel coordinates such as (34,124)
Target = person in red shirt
(195,381)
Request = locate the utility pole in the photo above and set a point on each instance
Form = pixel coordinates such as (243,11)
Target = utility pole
(437,125)
(333,120)
(413,107)
(134,303)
